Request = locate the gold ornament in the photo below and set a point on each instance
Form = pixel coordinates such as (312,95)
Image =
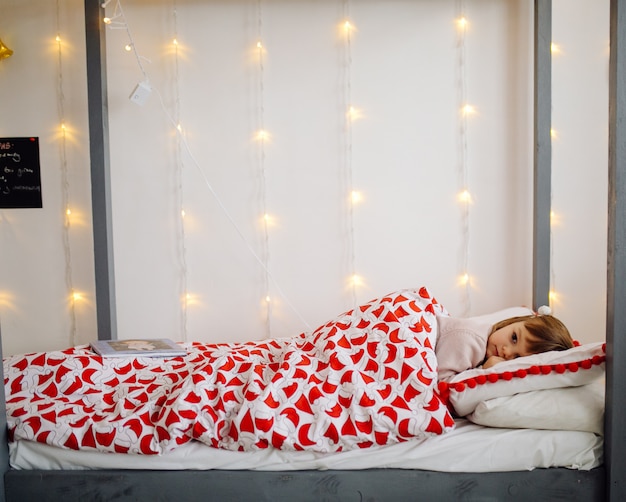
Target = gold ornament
(5,52)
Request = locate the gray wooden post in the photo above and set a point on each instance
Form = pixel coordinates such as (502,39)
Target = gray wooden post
(100,171)
(543,153)
(615,418)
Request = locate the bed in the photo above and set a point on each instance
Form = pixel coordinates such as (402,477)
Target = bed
(288,478)
(360,393)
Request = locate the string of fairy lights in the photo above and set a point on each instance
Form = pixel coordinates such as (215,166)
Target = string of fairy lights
(65,185)
(262,137)
(182,239)
(350,115)
(553,297)
(465,196)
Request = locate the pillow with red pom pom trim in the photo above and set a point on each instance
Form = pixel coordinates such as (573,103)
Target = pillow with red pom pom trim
(568,368)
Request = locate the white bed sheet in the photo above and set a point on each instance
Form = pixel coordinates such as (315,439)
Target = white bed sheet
(468,448)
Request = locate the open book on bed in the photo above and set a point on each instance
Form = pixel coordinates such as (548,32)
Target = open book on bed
(161,347)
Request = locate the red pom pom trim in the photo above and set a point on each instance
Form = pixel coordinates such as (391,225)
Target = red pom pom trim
(521,373)
(544,369)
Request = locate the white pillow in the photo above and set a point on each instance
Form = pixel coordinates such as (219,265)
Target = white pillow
(570,408)
(568,368)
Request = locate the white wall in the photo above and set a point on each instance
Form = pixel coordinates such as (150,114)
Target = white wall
(580,156)
(404,154)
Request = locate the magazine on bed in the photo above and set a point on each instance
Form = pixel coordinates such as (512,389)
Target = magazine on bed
(161,347)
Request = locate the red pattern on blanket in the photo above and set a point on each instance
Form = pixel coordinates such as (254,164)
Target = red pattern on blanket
(366,378)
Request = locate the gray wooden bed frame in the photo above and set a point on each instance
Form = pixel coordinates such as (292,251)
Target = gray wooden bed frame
(607,482)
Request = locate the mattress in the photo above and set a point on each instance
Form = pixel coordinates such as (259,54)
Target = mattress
(467,448)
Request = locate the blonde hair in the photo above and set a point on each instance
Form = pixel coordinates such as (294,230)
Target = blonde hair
(548,333)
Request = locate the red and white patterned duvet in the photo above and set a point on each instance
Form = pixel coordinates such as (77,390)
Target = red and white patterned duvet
(366,378)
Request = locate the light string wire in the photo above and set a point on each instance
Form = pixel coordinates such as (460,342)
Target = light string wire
(184,292)
(551,292)
(463,168)
(349,112)
(262,168)
(552,295)
(196,164)
(119,22)
(65,184)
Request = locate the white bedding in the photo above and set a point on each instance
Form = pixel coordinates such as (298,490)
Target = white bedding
(468,448)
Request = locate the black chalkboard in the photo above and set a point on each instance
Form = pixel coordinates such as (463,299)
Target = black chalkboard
(20,175)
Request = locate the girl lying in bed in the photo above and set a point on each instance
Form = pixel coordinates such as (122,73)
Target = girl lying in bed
(368,377)
(463,344)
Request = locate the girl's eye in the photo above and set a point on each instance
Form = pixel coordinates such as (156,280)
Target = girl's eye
(514,338)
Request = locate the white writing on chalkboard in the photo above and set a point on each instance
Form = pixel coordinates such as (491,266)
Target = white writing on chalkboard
(15,156)
(27,188)
(21,171)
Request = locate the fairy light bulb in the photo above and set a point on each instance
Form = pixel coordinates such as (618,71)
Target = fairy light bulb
(107,20)
(58,39)
(6,300)
(268,299)
(354,113)
(355,196)
(347,26)
(189,299)
(465,196)
(462,23)
(465,279)
(355,280)
(553,296)
(175,42)
(182,213)
(76,296)
(468,110)
(128,47)
(259,45)
(554,48)
(554,134)
(262,135)
(68,212)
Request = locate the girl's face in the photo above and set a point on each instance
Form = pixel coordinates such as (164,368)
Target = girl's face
(509,342)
